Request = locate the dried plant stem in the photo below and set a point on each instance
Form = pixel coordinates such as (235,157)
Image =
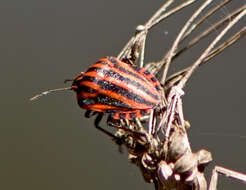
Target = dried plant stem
(154,20)
(206,16)
(197,39)
(157,18)
(145,28)
(174,10)
(157,14)
(181,34)
(209,31)
(208,50)
(226,44)
(226,172)
(212,54)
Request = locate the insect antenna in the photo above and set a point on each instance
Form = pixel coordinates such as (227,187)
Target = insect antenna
(49,91)
(68,80)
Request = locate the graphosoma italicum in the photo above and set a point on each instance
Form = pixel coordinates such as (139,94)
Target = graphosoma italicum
(118,88)
(113,86)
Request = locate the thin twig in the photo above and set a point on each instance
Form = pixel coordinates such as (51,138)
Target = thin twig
(174,10)
(154,20)
(197,39)
(210,47)
(157,14)
(206,16)
(176,42)
(226,44)
(209,31)
(227,173)
(145,27)
(178,75)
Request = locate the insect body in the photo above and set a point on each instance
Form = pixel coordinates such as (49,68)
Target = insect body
(115,87)
(118,88)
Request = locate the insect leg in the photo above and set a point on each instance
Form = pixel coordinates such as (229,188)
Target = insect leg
(150,128)
(90,113)
(116,139)
(97,121)
(119,125)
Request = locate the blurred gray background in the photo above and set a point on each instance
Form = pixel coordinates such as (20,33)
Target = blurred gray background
(49,145)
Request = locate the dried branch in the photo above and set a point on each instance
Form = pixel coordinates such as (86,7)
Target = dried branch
(155,67)
(206,16)
(226,44)
(169,13)
(180,36)
(226,172)
(209,49)
(142,30)
(208,31)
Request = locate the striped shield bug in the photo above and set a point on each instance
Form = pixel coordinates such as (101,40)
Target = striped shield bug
(115,87)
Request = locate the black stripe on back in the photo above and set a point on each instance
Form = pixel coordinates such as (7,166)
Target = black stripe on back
(86,89)
(103,99)
(115,62)
(123,79)
(105,85)
(137,69)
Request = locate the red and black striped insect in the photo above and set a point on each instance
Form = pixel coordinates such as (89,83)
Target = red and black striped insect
(115,87)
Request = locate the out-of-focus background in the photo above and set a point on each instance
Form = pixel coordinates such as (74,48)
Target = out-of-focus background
(48,144)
